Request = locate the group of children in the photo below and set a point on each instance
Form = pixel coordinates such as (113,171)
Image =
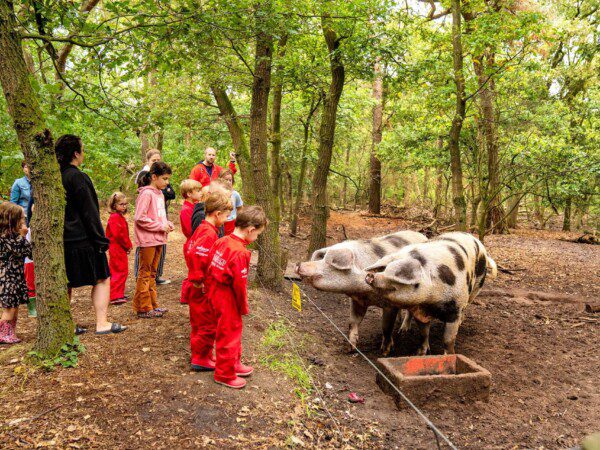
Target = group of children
(217,232)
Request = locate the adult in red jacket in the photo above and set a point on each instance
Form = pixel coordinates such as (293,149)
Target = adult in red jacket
(228,278)
(202,318)
(117,232)
(206,170)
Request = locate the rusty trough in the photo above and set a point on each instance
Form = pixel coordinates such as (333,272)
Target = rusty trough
(426,379)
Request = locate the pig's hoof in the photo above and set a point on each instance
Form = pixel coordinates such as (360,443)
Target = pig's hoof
(423,351)
(386,348)
(350,348)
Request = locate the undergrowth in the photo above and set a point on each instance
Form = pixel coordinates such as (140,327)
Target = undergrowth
(278,354)
(67,357)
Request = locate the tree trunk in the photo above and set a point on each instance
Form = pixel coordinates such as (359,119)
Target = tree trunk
(345,186)
(567,217)
(276,129)
(303,161)
(269,269)
(513,211)
(144,145)
(55,325)
(236,131)
(376,135)
(318,233)
(439,192)
(159,138)
(492,207)
(458,196)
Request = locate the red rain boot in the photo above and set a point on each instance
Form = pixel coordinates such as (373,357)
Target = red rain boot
(236,383)
(242,370)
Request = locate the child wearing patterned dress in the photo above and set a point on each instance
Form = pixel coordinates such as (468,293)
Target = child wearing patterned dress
(14,248)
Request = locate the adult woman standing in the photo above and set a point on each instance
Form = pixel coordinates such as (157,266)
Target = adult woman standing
(84,238)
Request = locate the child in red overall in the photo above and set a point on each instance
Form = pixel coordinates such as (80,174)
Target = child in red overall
(117,232)
(202,319)
(191,191)
(227,283)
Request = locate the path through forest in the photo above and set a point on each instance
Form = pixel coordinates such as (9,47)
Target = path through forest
(135,390)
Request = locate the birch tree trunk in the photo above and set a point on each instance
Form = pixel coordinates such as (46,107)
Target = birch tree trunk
(376,135)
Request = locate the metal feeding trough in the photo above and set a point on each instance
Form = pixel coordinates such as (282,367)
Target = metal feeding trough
(425,379)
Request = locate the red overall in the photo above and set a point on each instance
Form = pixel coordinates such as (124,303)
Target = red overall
(229,227)
(185,219)
(117,231)
(30,279)
(200,174)
(202,318)
(230,261)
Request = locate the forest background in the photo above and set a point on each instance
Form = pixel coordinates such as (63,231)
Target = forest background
(472,111)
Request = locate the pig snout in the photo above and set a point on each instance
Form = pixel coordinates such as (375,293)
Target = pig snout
(370,279)
(375,280)
(306,269)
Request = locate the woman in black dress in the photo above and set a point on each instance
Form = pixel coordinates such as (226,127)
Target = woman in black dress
(85,241)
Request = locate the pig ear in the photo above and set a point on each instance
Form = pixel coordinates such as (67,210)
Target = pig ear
(405,271)
(378,266)
(341,258)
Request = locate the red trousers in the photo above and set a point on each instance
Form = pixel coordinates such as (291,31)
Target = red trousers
(186,286)
(229,227)
(119,270)
(203,322)
(228,333)
(30,279)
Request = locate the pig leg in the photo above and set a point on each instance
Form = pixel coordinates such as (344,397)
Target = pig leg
(424,330)
(450,332)
(357,314)
(387,324)
(406,321)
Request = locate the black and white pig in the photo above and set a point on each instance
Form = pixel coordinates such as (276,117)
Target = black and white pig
(340,268)
(434,279)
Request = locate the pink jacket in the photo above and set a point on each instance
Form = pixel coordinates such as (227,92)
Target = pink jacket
(150,218)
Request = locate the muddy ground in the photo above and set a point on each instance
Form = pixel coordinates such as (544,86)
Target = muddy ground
(135,390)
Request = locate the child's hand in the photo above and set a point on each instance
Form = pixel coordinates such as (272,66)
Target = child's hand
(23,230)
(128,251)
(200,286)
(171,226)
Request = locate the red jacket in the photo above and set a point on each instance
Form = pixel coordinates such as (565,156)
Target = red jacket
(200,174)
(228,271)
(185,218)
(198,250)
(117,231)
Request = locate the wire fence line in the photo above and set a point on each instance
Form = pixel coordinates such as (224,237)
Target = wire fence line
(436,431)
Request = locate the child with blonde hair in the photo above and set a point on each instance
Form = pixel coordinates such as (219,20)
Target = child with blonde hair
(117,232)
(191,191)
(14,248)
(236,201)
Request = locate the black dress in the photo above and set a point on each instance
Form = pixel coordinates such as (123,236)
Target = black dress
(13,288)
(85,241)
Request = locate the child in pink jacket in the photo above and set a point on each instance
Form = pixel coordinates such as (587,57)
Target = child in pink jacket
(151,228)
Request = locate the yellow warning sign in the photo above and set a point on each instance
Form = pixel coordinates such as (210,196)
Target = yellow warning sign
(296,299)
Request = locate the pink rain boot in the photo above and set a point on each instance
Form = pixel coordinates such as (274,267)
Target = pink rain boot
(8,336)
(3,324)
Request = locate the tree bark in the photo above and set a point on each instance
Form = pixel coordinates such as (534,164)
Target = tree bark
(492,207)
(513,211)
(276,129)
(303,162)
(376,135)
(269,269)
(238,138)
(55,325)
(567,217)
(458,196)
(320,212)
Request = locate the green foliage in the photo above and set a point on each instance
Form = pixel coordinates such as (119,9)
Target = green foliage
(68,356)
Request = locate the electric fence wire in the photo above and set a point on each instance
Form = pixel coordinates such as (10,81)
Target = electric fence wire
(436,432)
(301,359)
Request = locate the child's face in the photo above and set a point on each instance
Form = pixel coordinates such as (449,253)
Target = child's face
(221,217)
(228,179)
(121,206)
(195,196)
(161,181)
(153,159)
(22,226)
(252,233)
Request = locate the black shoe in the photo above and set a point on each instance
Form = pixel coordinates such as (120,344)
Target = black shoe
(79,330)
(162,281)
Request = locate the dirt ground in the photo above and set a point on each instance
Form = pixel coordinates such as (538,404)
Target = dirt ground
(135,390)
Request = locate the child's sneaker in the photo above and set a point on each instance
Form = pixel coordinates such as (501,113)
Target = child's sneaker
(118,301)
(242,370)
(161,310)
(153,314)
(203,365)
(236,383)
